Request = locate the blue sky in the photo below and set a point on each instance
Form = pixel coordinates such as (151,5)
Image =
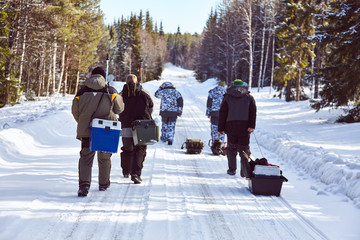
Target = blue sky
(190,15)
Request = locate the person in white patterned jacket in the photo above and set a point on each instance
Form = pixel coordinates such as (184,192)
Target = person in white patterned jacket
(170,108)
(214,100)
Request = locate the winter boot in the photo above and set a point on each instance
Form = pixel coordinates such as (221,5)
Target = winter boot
(230,172)
(103,187)
(136,179)
(216,147)
(83,191)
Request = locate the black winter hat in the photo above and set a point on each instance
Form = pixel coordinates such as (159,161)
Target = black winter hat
(99,70)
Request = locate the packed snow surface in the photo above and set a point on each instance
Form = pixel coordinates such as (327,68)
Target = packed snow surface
(182,196)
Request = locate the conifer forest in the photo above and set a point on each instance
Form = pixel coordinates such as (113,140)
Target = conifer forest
(49,46)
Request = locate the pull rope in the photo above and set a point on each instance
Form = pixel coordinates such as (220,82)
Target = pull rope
(258,144)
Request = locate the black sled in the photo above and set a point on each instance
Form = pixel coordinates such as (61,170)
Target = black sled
(264,178)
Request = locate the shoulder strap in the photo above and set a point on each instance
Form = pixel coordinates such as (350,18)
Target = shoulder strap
(92,116)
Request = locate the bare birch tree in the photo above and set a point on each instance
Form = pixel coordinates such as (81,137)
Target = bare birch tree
(244,9)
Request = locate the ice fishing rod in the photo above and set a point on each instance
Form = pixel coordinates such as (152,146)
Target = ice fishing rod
(141,81)
(247,156)
(107,67)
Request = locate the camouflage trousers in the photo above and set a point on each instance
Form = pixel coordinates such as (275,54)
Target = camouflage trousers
(215,135)
(167,131)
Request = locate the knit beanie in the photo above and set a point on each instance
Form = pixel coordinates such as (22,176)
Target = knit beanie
(238,82)
(99,70)
(221,83)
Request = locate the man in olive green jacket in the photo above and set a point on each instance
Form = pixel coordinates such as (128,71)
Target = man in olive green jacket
(94,100)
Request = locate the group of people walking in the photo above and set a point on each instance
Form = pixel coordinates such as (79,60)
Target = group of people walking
(231,111)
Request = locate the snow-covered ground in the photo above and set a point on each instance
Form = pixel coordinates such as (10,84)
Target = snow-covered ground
(182,196)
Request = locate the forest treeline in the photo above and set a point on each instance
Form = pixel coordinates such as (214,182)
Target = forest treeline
(49,46)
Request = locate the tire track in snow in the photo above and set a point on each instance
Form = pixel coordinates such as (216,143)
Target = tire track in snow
(166,201)
(86,209)
(140,193)
(215,220)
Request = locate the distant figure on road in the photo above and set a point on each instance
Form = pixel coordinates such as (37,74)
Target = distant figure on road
(237,118)
(170,108)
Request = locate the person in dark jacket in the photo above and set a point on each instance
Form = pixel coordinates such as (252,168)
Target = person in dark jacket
(237,118)
(94,100)
(214,100)
(138,106)
(171,107)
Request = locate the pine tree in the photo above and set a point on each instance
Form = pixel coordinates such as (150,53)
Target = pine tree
(8,81)
(341,39)
(161,30)
(207,58)
(108,45)
(135,44)
(295,43)
(123,43)
(148,23)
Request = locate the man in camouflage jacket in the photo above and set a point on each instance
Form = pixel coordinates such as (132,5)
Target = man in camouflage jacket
(214,100)
(170,108)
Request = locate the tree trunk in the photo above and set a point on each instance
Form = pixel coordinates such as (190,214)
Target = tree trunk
(43,72)
(316,90)
(250,35)
(62,67)
(66,75)
(54,67)
(49,76)
(266,60)
(7,72)
(228,77)
(28,88)
(272,61)
(298,82)
(77,81)
(288,91)
(262,57)
(23,53)
(317,67)
(250,64)
(298,86)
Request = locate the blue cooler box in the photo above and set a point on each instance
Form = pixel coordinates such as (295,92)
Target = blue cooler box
(104,135)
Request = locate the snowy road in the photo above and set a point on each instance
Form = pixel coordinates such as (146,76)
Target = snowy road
(182,196)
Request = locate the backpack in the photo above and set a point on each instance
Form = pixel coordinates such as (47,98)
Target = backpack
(193,145)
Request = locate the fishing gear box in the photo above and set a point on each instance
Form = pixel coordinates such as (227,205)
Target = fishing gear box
(266,180)
(193,145)
(145,132)
(104,135)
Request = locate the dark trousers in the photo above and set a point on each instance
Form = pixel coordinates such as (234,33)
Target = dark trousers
(233,148)
(132,157)
(86,162)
